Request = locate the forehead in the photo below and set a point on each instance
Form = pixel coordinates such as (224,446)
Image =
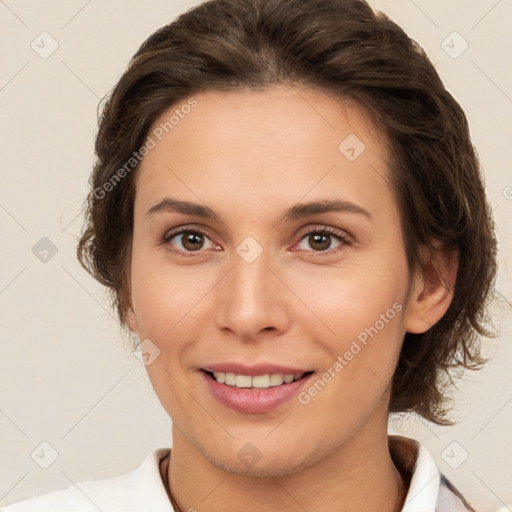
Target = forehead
(279,144)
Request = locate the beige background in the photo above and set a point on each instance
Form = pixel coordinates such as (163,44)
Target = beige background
(65,377)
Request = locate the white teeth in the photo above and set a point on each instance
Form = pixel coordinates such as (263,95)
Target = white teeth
(257,381)
(243,381)
(276,379)
(220,377)
(261,381)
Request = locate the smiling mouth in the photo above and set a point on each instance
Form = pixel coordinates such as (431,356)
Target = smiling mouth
(266,381)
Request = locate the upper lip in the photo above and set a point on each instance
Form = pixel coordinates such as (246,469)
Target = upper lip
(257,369)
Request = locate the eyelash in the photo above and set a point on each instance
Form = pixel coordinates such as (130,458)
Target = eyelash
(321,231)
(330,232)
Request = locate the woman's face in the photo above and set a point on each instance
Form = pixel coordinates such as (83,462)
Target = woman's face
(255,294)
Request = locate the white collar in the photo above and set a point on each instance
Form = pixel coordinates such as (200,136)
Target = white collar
(414,459)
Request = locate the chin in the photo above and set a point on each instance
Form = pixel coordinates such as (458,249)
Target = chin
(260,458)
(277,466)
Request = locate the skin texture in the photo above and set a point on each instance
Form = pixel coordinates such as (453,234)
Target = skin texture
(249,156)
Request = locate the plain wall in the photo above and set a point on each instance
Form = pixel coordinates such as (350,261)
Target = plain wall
(66,378)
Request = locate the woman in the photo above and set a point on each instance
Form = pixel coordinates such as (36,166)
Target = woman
(289,212)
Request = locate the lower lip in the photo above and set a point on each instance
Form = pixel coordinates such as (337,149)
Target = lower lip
(250,400)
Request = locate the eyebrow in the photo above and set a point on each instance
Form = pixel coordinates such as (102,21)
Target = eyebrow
(300,210)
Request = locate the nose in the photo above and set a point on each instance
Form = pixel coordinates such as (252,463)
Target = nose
(251,300)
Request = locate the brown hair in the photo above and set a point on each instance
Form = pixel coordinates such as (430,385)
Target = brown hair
(343,48)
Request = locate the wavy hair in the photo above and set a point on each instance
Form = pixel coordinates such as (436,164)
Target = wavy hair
(344,48)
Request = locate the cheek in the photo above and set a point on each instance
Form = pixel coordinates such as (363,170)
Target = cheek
(347,300)
(164,297)
(361,316)
(358,322)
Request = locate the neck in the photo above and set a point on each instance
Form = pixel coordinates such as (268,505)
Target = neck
(357,476)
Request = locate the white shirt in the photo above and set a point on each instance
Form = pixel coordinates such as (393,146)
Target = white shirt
(143,490)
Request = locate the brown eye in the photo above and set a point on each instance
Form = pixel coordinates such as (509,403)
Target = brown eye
(321,240)
(188,240)
(192,241)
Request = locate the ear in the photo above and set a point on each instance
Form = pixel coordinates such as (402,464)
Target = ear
(432,288)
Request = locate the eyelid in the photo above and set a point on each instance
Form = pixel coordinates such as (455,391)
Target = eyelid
(170,234)
(324,228)
(343,237)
